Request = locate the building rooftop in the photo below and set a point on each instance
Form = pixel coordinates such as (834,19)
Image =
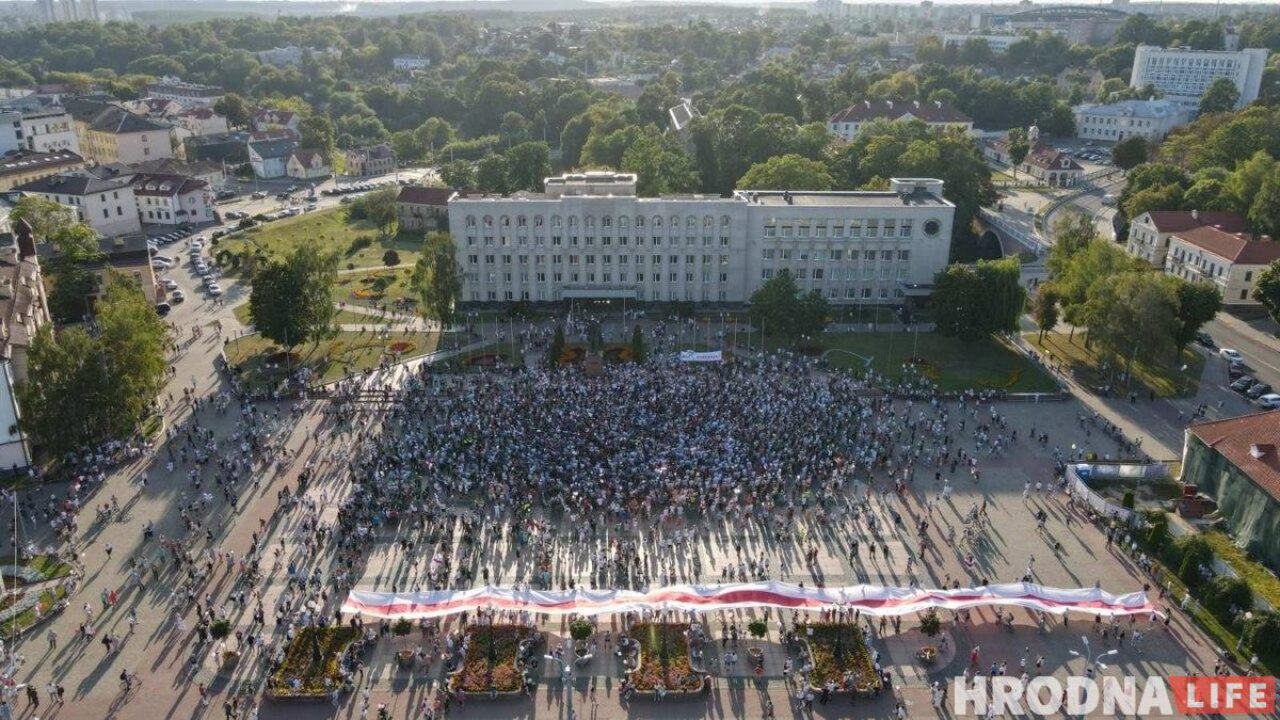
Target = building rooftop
(73,184)
(415,195)
(164,185)
(856,198)
(1135,108)
(1170,221)
(281,148)
(1250,442)
(1237,248)
(20,284)
(929,112)
(374,152)
(306,157)
(24,161)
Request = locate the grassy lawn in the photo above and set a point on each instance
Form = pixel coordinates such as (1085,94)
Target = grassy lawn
(48,598)
(329,359)
(344,317)
(952,364)
(1260,580)
(374,286)
(328,230)
(1164,379)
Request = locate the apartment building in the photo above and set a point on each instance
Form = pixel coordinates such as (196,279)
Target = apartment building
(106,205)
(372,160)
(1183,75)
(1149,119)
(108,133)
(590,236)
(185,93)
(172,199)
(50,129)
(937,114)
(1149,233)
(24,166)
(1231,262)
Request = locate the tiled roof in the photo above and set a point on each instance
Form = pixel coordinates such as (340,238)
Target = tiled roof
(1237,248)
(1251,443)
(414,195)
(1051,158)
(23,161)
(929,112)
(307,156)
(267,149)
(375,152)
(1169,221)
(165,185)
(19,283)
(72,184)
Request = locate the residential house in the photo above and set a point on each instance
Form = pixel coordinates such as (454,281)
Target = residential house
(49,129)
(936,114)
(423,208)
(266,119)
(24,309)
(411,62)
(1235,462)
(1149,233)
(24,166)
(270,158)
(307,165)
(108,133)
(201,121)
(127,254)
(223,147)
(106,205)
(172,199)
(373,160)
(1231,262)
(11,131)
(210,172)
(1043,162)
(681,116)
(188,94)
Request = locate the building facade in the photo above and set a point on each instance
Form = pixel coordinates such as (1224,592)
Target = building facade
(11,131)
(423,209)
(50,129)
(1149,119)
(307,165)
(172,200)
(106,205)
(1149,233)
(1184,75)
(24,166)
(109,134)
(270,158)
(185,93)
(938,115)
(590,236)
(369,161)
(411,62)
(1231,262)
(999,44)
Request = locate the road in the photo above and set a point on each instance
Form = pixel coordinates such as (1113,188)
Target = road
(1261,351)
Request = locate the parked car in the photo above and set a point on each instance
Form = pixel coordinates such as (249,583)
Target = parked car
(1230,354)
(260,195)
(1258,391)
(163,308)
(1269,401)
(177,296)
(1235,373)
(169,284)
(226,194)
(214,290)
(160,265)
(1243,384)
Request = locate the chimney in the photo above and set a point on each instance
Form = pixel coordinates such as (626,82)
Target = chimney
(1195,215)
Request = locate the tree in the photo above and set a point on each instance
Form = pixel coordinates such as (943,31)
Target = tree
(637,345)
(458,174)
(82,390)
(1130,152)
(660,166)
(1198,303)
(235,108)
(1264,213)
(528,164)
(437,280)
(378,207)
(1221,96)
(1075,276)
(292,299)
(316,133)
(1072,232)
(1133,316)
(972,302)
(556,350)
(778,307)
(491,175)
(1045,310)
(1019,146)
(1267,290)
(786,172)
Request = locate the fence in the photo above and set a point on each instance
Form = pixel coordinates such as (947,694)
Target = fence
(1078,473)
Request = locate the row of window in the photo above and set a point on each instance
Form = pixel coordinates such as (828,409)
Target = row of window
(818,276)
(688,294)
(590,241)
(591,259)
(590,221)
(836,254)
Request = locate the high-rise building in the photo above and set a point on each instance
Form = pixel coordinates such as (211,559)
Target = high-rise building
(1183,75)
(69,10)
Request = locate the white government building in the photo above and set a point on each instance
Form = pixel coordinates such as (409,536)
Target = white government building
(1149,119)
(1183,75)
(590,236)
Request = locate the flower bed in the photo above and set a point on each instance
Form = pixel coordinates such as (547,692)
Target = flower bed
(854,656)
(300,662)
(401,347)
(671,670)
(490,662)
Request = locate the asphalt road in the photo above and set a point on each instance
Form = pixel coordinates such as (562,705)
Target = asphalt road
(1261,353)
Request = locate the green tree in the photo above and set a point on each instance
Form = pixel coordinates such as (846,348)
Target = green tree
(1045,310)
(291,302)
(1264,213)
(491,175)
(82,390)
(379,207)
(786,172)
(1221,96)
(235,108)
(1019,146)
(778,307)
(528,164)
(1072,232)
(660,166)
(1267,290)
(458,174)
(1198,303)
(1133,316)
(1130,152)
(556,350)
(437,280)
(316,133)
(972,302)
(1076,275)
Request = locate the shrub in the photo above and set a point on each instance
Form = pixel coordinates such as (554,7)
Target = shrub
(1262,635)
(391,258)
(351,266)
(1128,499)
(931,624)
(402,627)
(1227,596)
(581,629)
(220,629)
(757,628)
(1195,552)
(359,243)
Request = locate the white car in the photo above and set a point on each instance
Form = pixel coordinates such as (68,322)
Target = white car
(1268,401)
(214,290)
(177,296)
(158,264)
(169,284)
(1232,355)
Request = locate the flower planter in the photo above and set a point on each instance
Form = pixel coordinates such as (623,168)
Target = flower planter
(855,659)
(405,658)
(676,674)
(927,655)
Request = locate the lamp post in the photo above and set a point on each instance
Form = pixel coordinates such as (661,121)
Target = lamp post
(566,679)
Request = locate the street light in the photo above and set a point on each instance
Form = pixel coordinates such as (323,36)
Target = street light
(566,679)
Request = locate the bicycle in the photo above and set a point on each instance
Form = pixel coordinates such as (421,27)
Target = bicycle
(130,682)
